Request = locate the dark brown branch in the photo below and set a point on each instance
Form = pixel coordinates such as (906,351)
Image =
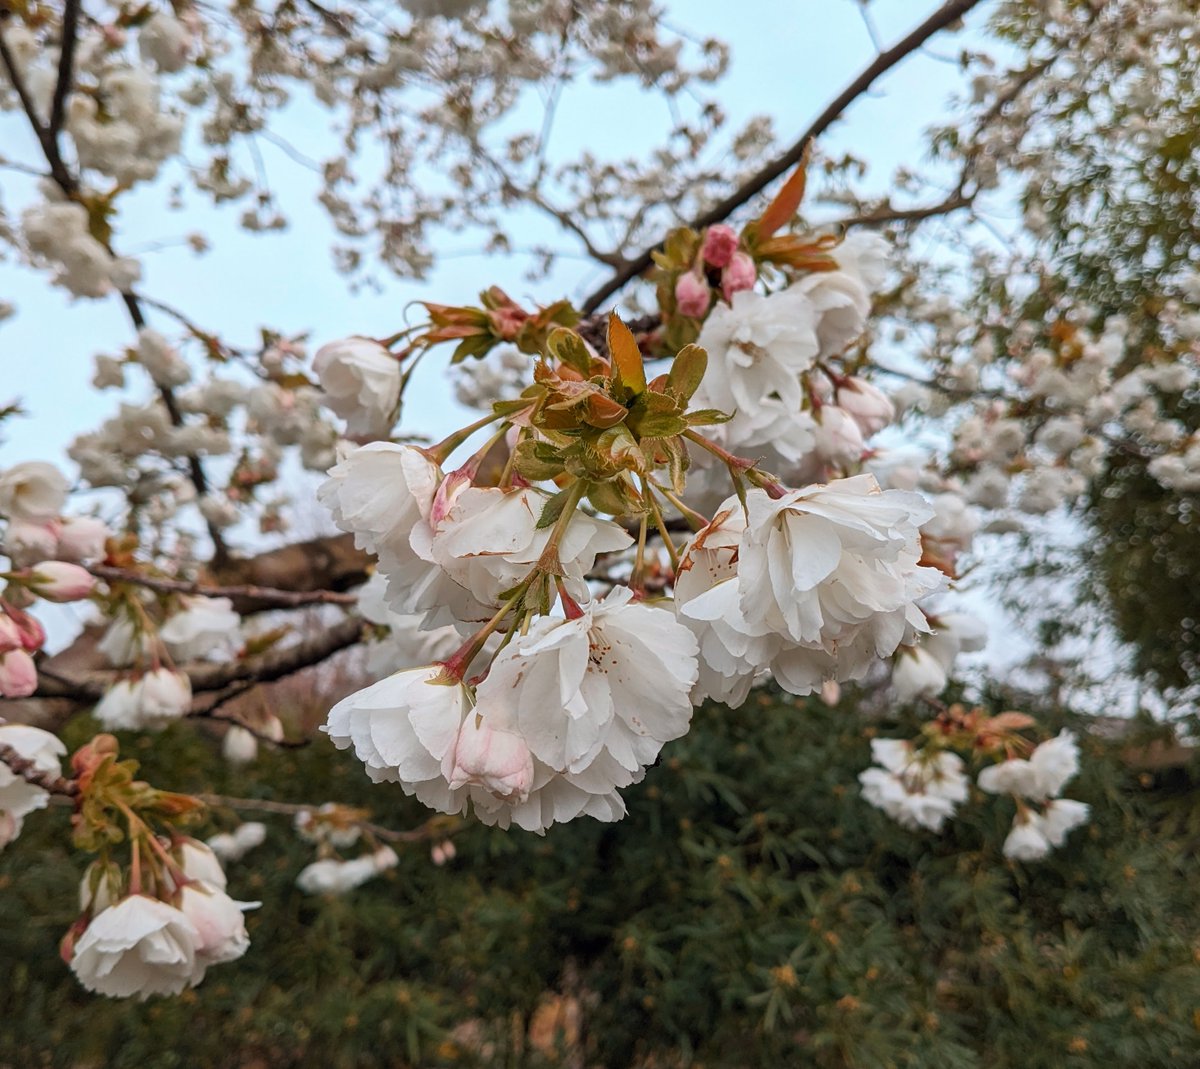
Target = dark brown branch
(30,773)
(90,687)
(945,15)
(230,694)
(47,135)
(66,67)
(49,143)
(885,213)
(260,595)
(439,827)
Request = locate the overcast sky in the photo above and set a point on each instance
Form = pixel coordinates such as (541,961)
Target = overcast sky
(789,58)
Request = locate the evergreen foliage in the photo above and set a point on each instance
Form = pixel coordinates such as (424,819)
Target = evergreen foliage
(751,910)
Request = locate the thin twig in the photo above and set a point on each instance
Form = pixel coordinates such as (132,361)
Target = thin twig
(939,20)
(58,169)
(439,827)
(66,67)
(30,773)
(47,135)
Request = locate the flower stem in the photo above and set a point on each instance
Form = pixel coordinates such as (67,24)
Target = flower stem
(549,563)
(440,452)
(652,504)
(456,665)
(695,519)
(724,455)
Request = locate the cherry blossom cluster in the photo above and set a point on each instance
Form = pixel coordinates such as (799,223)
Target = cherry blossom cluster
(552,682)
(44,550)
(922,783)
(149,925)
(429,82)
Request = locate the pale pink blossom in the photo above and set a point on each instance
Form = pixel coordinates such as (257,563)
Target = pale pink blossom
(1048,769)
(18,674)
(19,797)
(57,580)
(1027,841)
(148,703)
(866,404)
(838,437)
(82,538)
(498,761)
(692,295)
(217,918)
(26,541)
(916,673)
(202,626)
(738,275)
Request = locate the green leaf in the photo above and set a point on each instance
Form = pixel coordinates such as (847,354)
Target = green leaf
(537,461)
(678,461)
(662,425)
(477,345)
(569,348)
(687,371)
(553,509)
(613,497)
(707,417)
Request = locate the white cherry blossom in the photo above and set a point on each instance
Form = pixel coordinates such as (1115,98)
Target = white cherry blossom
(202,626)
(361,380)
(138,947)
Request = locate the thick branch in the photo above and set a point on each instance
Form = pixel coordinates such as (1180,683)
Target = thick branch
(89,688)
(329,563)
(945,15)
(266,596)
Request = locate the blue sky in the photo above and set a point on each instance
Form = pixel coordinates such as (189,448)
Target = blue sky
(789,58)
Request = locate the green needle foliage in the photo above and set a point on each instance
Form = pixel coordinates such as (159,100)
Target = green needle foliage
(751,910)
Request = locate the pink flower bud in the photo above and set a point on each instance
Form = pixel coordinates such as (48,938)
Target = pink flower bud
(740,274)
(497,761)
(82,538)
(56,580)
(10,634)
(33,635)
(720,243)
(447,493)
(868,406)
(10,828)
(692,295)
(18,675)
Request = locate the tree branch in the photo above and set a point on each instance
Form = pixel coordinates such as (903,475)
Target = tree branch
(263,595)
(47,135)
(49,143)
(30,773)
(945,15)
(885,213)
(66,68)
(275,664)
(439,827)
